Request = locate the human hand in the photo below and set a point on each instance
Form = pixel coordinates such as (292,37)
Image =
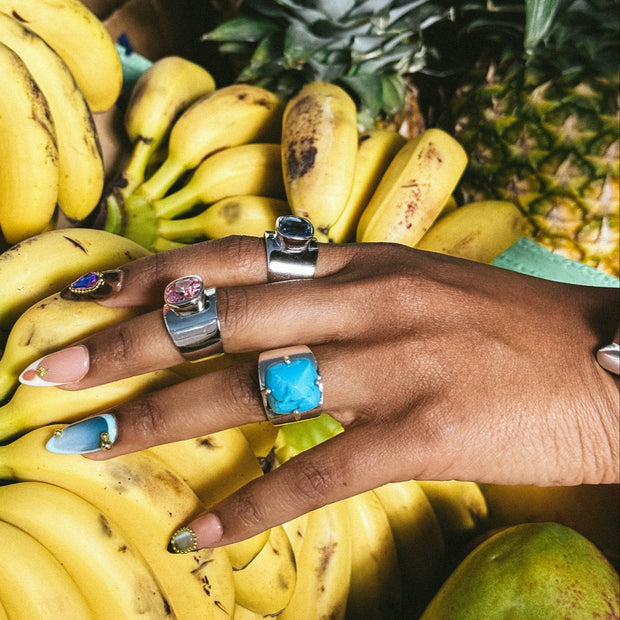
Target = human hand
(437,368)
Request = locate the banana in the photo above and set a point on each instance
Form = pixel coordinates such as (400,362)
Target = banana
(33,583)
(419,541)
(319,147)
(478,231)
(52,324)
(245,169)
(148,502)
(3,614)
(33,406)
(230,116)
(111,574)
(80,39)
(235,215)
(80,161)
(323,566)
(459,505)
(414,189)
(261,436)
(376,150)
(161,93)
(214,466)
(296,531)
(375,588)
(28,151)
(47,262)
(266,585)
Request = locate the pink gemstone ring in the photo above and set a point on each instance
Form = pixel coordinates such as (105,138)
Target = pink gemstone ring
(190,317)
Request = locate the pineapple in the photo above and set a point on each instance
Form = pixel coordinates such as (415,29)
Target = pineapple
(540,124)
(536,106)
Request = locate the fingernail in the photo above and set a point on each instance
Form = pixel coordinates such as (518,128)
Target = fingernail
(64,366)
(205,531)
(94,285)
(89,435)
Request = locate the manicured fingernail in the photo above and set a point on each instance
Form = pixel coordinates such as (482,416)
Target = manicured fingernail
(205,531)
(94,285)
(64,366)
(89,435)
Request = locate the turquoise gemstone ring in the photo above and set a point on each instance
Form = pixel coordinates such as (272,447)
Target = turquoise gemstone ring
(290,384)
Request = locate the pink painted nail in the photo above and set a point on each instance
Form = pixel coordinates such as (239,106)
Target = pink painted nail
(64,366)
(205,531)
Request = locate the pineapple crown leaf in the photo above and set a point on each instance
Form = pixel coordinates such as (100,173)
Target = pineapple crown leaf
(540,15)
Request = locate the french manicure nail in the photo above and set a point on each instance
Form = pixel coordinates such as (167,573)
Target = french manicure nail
(90,435)
(205,531)
(94,285)
(58,368)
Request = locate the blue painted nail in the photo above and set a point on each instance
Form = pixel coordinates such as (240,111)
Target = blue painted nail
(89,435)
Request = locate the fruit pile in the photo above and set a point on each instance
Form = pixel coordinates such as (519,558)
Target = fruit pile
(86,539)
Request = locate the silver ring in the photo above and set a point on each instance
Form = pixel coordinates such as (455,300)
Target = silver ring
(292,249)
(290,384)
(190,316)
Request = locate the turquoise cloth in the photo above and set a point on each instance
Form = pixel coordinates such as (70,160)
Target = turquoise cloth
(531,258)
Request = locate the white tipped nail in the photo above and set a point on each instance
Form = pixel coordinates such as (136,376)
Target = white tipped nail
(58,368)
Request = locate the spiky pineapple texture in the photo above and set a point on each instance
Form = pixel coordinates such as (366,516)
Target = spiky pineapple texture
(368,47)
(541,128)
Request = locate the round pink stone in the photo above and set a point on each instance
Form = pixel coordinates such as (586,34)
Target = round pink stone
(183,290)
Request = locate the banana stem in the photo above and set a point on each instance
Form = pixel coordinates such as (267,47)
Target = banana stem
(177,203)
(295,438)
(135,169)
(163,179)
(187,229)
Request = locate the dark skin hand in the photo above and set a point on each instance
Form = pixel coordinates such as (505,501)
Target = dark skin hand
(437,368)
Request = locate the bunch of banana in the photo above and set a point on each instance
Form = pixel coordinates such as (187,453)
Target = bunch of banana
(58,66)
(217,142)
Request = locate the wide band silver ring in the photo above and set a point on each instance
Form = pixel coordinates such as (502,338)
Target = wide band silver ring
(290,384)
(292,249)
(190,316)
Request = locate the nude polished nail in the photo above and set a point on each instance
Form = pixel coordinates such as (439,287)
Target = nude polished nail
(58,368)
(205,531)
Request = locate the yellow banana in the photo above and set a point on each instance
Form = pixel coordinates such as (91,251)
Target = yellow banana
(148,501)
(296,531)
(231,115)
(112,575)
(266,585)
(319,147)
(376,150)
(33,583)
(214,466)
(48,325)
(163,92)
(460,506)
(261,436)
(419,541)
(34,406)
(80,39)
(45,263)
(478,231)
(375,589)
(80,162)
(241,613)
(235,215)
(414,189)
(323,566)
(245,169)
(28,152)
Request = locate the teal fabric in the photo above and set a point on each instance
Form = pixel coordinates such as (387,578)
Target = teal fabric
(134,65)
(531,258)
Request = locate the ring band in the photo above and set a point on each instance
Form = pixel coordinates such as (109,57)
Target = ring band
(190,316)
(292,249)
(290,384)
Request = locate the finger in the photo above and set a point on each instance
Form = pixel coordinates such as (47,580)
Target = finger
(217,401)
(253,318)
(327,473)
(232,261)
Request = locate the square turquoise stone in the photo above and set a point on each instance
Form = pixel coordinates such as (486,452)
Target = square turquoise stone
(293,386)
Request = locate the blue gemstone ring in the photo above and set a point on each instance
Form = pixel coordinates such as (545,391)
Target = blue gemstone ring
(290,384)
(292,249)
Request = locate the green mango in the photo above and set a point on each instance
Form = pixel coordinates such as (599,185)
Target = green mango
(530,571)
